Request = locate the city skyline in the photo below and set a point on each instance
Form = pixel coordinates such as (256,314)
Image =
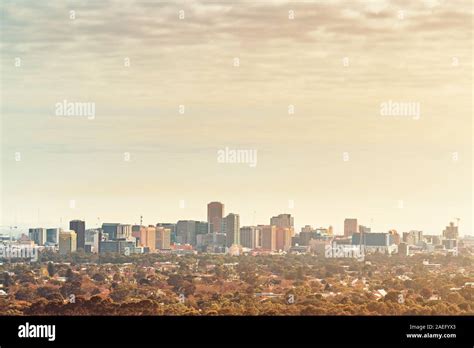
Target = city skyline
(354,222)
(326,110)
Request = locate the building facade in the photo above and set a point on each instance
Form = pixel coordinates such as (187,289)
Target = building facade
(79,227)
(350,227)
(67,242)
(215,214)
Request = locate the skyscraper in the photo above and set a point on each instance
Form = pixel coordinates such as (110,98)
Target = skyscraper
(92,241)
(282,238)
(67,242)
(188,230)
(268,237)
(172,228)
(38,235)
(79,227)
(451,231)
(163,238)
(215,213)
(124,231)
(52,235)
(282,220)
(110,229)
(250,237)
(231,227)
(350,227)
(148,237)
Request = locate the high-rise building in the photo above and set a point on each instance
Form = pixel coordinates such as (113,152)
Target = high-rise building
(282,238)
(268,237)
(38,235)
(364,229)
(111,229)
(372,239)
(148,237)
(282,220)
(52,236)
(250,237)
(124,232)
(202,227)
(92,241)
(163,238)
(305,236)
(172,228)
(215,213)
(185,230)
(231,226)
(350,227)
(67,242)
(79,227)
(211,242)
(121,246)
(451,231)
(412,237)
(188,230)
(136,232)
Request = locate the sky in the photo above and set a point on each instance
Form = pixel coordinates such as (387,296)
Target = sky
(301,84)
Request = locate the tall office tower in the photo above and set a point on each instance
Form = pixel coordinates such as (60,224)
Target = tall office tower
(350,227)
(215,213)
(451,231)
(67,242)
(136,231)
(188,230)
(92,241)
(171,227)
(418,236)
(268,237)
(37,235)
(124,231)
(231,227)
(110,229)
(364,229)
(412,237)
(305,237)
(185,231)
(202,227)
(148,237)
(282,238)
(52,235)
(282,220)
(250,237)
(163,238)
(79,227)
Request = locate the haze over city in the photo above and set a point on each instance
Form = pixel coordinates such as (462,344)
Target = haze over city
(305,92)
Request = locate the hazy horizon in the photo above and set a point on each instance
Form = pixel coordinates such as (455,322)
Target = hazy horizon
(306,94)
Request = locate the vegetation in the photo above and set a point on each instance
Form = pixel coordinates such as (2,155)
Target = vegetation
(167,284)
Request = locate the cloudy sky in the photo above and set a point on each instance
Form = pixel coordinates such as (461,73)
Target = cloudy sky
(236,68)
